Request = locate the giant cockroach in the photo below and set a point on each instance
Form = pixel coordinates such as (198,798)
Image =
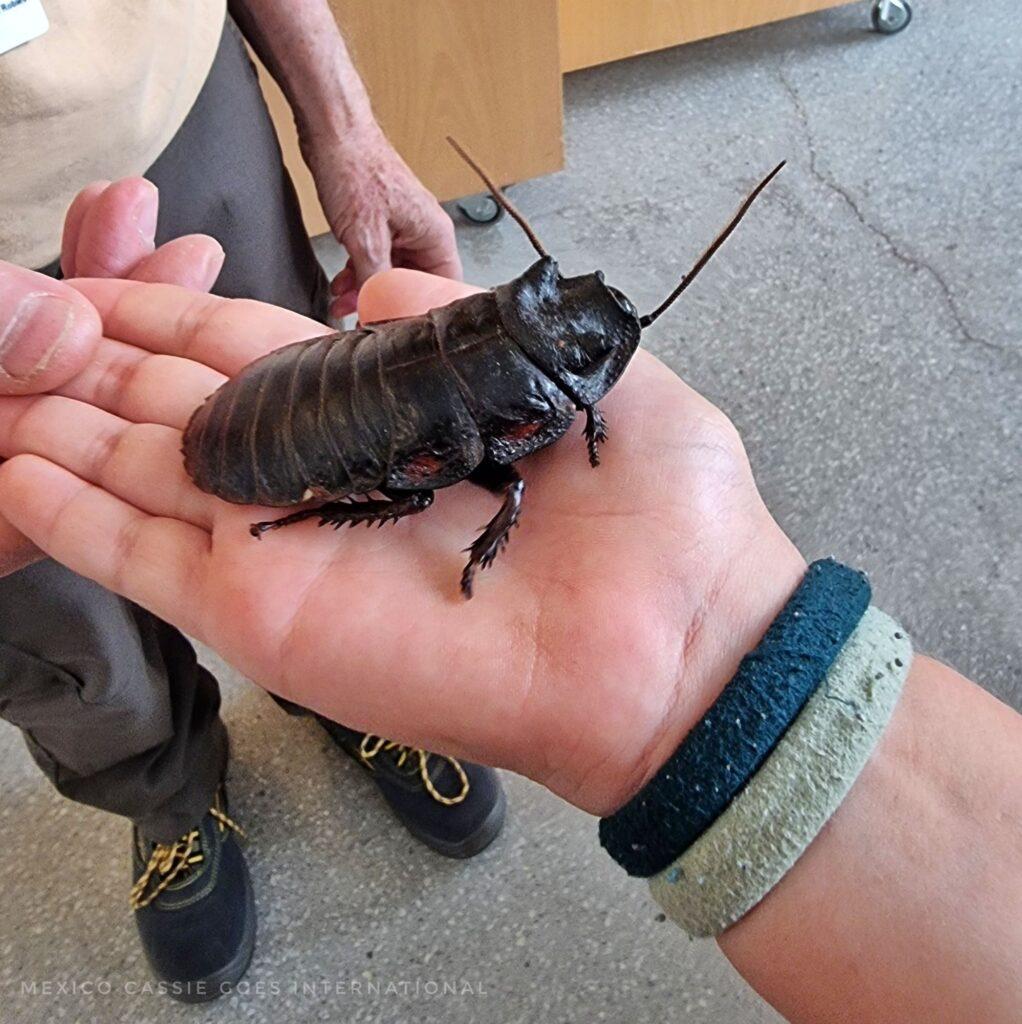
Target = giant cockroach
(408,406)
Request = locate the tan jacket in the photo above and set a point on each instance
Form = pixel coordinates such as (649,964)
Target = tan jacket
(97,96)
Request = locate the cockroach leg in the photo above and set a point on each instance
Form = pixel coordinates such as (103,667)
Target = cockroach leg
(499,479)
(595,433)
(350,513)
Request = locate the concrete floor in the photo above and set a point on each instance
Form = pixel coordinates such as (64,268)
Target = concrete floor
(863,331)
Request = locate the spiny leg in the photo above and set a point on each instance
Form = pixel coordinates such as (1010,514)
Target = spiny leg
(595,433)
(498,479)
(350,513)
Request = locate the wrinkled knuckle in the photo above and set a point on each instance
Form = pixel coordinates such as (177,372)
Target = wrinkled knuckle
(446,228)
(104,451)
(125,544)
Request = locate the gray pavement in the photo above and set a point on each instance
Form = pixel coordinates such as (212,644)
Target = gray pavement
(862,329)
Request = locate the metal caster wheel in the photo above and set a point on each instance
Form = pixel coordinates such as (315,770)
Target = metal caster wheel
(480,209)
(890,16)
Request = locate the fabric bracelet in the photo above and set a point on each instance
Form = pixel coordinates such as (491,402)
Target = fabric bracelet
(768,826)
(724,749)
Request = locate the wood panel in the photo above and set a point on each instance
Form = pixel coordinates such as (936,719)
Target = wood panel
(598,31)
(485,71)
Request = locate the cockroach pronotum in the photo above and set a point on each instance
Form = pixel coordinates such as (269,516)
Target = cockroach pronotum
(404,407)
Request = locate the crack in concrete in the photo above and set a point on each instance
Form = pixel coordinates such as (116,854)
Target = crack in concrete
(894,247)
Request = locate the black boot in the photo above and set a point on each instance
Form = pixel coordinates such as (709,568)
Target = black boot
(194,907)
(454,807)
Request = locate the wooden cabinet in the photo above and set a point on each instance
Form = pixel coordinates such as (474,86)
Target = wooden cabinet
(489,72)
(484,71)
(598,31)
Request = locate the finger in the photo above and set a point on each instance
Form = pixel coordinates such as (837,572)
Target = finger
(436,252)
(344,280)
(344,290)
(142,387)
(118,229)
(368,248)
(225,334)
(73,224)
(16,550)
(138,462)
(439,261)
(191,261)
(401,292)
(158,563)
(48,331)
(344,305)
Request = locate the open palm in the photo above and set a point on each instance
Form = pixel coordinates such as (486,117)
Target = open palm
(621,605)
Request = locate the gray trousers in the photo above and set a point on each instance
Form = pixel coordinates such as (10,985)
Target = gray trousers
(111,701)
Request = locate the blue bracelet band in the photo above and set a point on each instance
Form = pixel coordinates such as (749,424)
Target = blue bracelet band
(727,746)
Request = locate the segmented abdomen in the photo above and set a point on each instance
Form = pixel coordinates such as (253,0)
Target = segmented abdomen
(282,427)
(414,404)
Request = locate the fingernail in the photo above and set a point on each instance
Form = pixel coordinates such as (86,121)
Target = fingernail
(213,259)
(33,335)
(145,213)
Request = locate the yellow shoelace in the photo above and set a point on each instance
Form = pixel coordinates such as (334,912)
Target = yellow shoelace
(169,861)
(373,745)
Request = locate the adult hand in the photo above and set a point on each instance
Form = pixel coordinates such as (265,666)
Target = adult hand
(49,330)
(379,211)
(621,607)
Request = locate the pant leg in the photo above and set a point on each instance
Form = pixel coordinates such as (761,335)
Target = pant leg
(223,175)
(110,699)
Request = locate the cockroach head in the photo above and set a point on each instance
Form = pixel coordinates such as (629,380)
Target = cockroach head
(579,330)
(593,326)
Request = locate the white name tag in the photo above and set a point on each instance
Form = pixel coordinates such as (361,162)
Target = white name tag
(20,21)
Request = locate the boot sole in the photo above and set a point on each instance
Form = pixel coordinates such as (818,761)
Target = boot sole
(461,849)
(220,982)
(472,844)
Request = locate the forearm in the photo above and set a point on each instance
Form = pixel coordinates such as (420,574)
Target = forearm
(908,906)
(376,207)
(302,48)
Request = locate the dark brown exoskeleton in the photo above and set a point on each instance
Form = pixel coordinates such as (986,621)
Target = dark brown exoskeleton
(404,407)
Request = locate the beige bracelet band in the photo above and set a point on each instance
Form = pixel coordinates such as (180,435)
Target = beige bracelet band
(769,824)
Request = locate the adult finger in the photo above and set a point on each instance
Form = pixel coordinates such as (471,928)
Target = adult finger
(368,245)
(191,261)
(158,563)
(437,251)
(73,224)
(344,292)
(142,387)
(137,462)
(401,292)
(438,260)
(117,230)
(48,331)
(344,280)
(225,334)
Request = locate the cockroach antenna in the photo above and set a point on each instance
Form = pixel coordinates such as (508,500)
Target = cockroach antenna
(646,320)
(499,196)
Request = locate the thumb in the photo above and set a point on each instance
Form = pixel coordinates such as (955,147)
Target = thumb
(402,292)
(48,331)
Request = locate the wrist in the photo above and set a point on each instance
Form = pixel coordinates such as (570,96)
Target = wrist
(342,122)
(730,618)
